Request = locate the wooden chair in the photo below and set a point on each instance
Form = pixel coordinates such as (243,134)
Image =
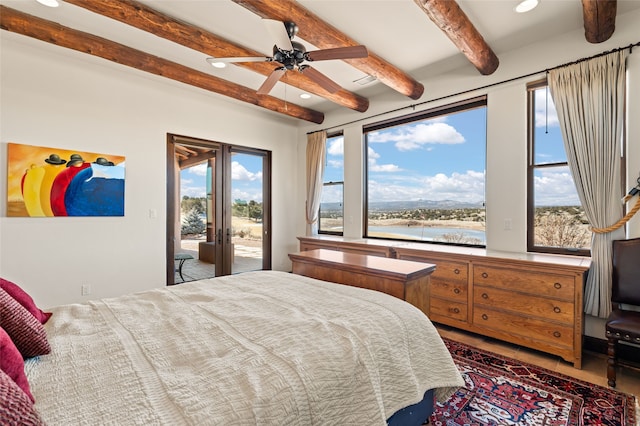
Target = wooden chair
(623,324)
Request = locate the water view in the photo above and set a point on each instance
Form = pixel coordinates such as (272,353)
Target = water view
(426,233)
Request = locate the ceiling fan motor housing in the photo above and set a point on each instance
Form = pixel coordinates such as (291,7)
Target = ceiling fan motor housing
(290,58)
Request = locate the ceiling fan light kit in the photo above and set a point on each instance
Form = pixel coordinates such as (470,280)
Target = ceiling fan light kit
(292,55)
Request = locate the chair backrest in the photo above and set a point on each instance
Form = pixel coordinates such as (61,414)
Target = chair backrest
(625,286)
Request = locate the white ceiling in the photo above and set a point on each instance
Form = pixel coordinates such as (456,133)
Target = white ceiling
(396,30)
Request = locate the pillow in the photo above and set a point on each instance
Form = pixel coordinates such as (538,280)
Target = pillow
(15,407)
(25,330)
(12,364)
(24,299)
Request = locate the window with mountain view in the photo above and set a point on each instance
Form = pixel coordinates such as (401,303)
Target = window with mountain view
(331,202)
(556,219)
(425,176)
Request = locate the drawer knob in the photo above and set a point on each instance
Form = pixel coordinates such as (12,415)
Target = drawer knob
(456,271)
(556,309)
(558,286)
(485,296)
(556,334)
(456,290)
(455,310)
(485,317)
(485,275)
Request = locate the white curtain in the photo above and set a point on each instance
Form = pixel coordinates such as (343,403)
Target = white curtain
(316,147)
(589,98)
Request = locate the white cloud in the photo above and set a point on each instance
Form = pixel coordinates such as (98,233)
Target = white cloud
(408,138)
(375,167)
(542,116)
(555,188)
(199,170)
(239,194)
(336,146)
(238,172)
(463,187)
(383,167)
(372,154)
(337,164)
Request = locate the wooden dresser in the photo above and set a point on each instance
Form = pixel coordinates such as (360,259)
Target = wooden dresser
(403,279)
(533,300)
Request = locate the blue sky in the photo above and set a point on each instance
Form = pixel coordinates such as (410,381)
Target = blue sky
(436,159)
(444,159)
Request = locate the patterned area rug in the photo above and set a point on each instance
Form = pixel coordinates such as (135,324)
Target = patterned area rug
(504,391)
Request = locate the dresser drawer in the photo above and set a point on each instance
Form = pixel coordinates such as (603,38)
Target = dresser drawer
(533,282)
(525,304)
(451,272)
(526,327)
(449,290)
(441,308)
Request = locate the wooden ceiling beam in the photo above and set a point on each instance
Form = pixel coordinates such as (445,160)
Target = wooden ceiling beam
(324,36)
(51,32)
(452,21)
(194,160)
(143,17)
(599,19)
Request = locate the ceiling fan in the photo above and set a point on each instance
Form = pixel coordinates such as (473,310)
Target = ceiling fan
(291,55)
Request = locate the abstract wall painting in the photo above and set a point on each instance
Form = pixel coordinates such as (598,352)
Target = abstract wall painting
(52,182)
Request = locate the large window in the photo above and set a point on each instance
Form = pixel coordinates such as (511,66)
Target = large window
(331,203)
(425,176)
(556,220)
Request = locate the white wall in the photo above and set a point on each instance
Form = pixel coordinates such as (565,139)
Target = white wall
(506,130)
(59,98)
(50,96)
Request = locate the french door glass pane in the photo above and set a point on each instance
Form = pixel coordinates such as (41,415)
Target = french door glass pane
(246,212)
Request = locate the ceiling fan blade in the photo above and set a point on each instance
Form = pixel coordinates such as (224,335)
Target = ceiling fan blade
(271,81)
(279,33)
(325,82)
(239,59)
(349,52)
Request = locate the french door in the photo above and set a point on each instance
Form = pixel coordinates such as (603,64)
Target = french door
(218,209)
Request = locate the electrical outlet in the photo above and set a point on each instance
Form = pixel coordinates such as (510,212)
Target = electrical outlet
(85,289)
(507,224)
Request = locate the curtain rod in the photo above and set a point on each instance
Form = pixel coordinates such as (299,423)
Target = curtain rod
(413,106)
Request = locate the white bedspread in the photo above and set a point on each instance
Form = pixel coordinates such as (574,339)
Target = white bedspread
(259,348)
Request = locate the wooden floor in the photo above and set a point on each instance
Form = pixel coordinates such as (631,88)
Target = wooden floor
(594,366)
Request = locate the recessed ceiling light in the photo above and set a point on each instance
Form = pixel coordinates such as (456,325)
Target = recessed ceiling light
(49,3)
(305,96)
(215,63)
(526,6)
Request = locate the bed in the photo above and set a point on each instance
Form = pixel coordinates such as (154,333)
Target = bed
(257,348)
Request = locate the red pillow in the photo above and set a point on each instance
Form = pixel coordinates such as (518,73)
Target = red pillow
(15,407)
(12,364)
(24,299)
(25,330)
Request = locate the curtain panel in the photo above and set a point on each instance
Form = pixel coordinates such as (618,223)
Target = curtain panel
(589,98)
(316,147)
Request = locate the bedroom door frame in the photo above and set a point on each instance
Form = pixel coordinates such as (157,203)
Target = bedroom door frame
(222,200)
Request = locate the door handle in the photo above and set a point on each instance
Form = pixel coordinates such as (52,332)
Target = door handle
(219,236)
(228,235)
